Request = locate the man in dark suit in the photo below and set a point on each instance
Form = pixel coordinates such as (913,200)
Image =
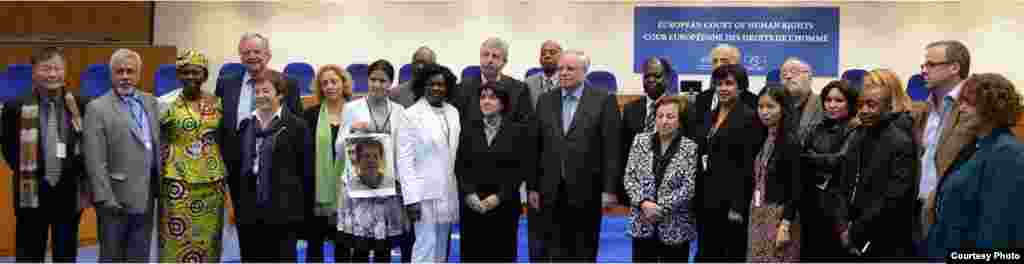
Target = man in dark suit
(277,163)
(236,93)
(638,116)
(493,57)
(403,93)
(121,146)
(578,166)
(47,196)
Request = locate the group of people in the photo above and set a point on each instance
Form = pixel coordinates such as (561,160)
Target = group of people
(852,174)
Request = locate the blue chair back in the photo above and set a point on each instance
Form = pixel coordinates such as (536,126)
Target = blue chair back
(604,79)
(673,83)
(6,93)
(917,89)
(773,77)
(304,73)
(533,71)
(855,77)
(19,78)
(360,77)
(95,80)
(166,79)
(469,71)
(231,68)
(405,73)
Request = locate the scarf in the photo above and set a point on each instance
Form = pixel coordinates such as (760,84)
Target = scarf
(328,169)
(31,151)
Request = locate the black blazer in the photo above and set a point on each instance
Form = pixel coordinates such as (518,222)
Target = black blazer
(702,104)
(590,150)
(228,89)
(726,183)
(73,167)
(467,101)
(633,115)
(498,168)
(784,174)
(292,168)
(312,117)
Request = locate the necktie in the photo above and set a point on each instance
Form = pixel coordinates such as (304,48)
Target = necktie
(52,163)
(252,95)
(135,104)
(649,119)
(549,84)
(568,110)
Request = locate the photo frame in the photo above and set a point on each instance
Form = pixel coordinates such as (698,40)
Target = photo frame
(369,165)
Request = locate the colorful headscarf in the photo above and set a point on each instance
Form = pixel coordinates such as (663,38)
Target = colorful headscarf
(193,57)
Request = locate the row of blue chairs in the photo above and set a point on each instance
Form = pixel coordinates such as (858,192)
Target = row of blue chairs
(96,79)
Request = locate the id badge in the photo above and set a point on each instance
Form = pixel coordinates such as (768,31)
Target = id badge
(62,150)
(704,161)
(757,198)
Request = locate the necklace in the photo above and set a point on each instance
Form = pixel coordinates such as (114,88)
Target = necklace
(387,120)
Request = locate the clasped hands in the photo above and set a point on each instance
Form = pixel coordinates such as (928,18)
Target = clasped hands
(482,206)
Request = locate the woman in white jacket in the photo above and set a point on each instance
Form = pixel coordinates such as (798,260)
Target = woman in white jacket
(426,161)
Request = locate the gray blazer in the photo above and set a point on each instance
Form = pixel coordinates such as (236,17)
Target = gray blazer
(535,83)
(116,156)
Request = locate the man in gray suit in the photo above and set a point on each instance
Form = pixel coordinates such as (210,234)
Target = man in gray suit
(547,80)
(403,93)
(122,143)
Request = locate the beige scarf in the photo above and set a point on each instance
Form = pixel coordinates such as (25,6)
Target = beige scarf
(30,152)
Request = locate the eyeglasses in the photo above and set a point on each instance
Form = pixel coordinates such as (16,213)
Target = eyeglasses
(795,71)
(929,65)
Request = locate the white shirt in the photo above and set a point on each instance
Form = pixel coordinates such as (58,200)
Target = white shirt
(244,98)
(932,134)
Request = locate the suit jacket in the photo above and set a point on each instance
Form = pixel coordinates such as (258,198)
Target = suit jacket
(228,89)
(290,171)
(498,168)
(673,194)
(73,167)
(589,152)
(702,104)
(726,181)
(535,83)
(403,94)
(116,156)
(951,140)
(468,99)
(879,186)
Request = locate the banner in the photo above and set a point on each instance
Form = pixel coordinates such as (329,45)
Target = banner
(766,36)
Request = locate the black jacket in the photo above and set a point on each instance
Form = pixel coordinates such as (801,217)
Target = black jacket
(291,170)
(879,186)
(726,183)
(467,100)
(784,175)
(822,158)
(498,168)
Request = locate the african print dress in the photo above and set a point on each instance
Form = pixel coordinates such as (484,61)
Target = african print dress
(192,187)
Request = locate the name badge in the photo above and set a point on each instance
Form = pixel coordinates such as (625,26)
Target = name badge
(704,161)
(62,150)
(757,198)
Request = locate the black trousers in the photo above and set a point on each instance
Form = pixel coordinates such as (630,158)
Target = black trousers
(57,210)
(318,230)
(572,231)
(361,248)
(720,239)
(652,250)
(268,242)
(535,235)
(490,237)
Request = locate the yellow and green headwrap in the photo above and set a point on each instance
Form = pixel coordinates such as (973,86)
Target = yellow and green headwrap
(193,57)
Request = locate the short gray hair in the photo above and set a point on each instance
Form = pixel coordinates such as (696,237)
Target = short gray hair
(582,56)
(795,59)
(731,48)
(497,43)
(253,35)
(433,55)
(122,54)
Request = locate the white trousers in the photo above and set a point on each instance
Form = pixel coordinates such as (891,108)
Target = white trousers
(431,244)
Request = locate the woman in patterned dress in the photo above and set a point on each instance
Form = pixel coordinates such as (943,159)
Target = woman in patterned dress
(776,184)
(192,186)
(659,179)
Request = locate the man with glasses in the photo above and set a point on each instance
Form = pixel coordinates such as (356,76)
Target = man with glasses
(947,64)
(797,76)
(403,93)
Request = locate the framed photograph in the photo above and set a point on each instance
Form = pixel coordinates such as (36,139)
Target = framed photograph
(370,165)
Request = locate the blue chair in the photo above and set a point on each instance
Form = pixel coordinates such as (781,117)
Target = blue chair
(405,73)
(231,69)
(855,77)
(360,75)
(166,79)
(917,89)
(469,71)
(304,73)
(19,78)
(533,71)
(673,83)
(95,80)
(6,93)
(773,77)
(604,79)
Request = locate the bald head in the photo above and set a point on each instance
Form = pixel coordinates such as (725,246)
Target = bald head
(572,69)
(550,52)
(724,54)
